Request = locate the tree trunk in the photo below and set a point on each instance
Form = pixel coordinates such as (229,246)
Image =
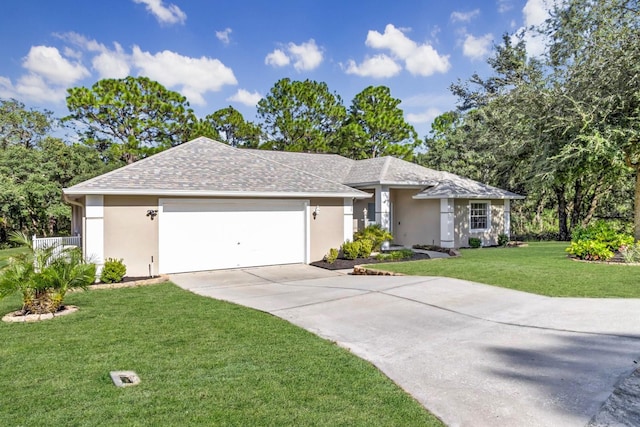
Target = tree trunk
(563,231)
(636,207)
(576,209)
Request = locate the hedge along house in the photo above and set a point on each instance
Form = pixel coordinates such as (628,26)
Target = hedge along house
(205,205)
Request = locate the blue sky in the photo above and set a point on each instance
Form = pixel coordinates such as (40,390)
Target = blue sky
(220,53)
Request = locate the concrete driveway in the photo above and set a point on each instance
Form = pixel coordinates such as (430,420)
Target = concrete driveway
(474,355)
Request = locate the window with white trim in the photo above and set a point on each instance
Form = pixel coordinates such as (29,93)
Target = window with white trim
(479,215)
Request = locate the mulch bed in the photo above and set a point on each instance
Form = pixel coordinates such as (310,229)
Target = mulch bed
(343,264)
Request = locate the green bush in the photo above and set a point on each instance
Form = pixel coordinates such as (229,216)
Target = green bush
(475,242)
(366,246)
(43,289)
(395,255)
(503,239)
(350,250)
(375,233)
(598,241)
(590,250)
(332,256)
(113,271)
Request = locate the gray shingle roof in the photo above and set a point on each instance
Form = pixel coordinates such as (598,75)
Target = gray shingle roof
(207,167)
(389,170)
(328,166)
(204,167)
(457,187)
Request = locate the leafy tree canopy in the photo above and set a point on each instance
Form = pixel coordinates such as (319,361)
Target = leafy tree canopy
(19,126)
(376,127)
(233,129)
(301,116)
(131,118)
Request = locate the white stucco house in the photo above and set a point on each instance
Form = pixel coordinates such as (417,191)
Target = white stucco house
(205,205)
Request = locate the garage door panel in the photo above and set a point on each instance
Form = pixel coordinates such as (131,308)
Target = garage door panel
(201,235)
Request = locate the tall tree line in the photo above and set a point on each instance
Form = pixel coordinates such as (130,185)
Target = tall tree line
(120,121)
(561,128)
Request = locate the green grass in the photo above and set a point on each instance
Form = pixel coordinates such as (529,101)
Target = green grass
(5,254)
(541,268)
(201,362)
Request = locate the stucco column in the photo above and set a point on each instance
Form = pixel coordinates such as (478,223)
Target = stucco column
(447,217)
(348,219)
(507,218)
(383,206)
(94,230)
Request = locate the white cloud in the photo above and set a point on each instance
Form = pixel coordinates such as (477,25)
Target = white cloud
(379,66)
(48,63)
(305,56)
(504,6)
(424,117)
(31,87)
(49,73)
(224,36)
(245,97)
(169,14)
(477,47)
(112,64)
(392,39)
(192,76)
(426,61)
(277,58)
(419,59)
(464,16)
(535,12)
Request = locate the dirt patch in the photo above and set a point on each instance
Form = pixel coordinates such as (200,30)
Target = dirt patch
(344,264)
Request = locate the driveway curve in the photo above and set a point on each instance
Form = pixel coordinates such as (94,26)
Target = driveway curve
(473,354)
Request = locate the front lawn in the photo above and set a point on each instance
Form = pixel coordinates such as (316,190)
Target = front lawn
(541,268)
(201,362)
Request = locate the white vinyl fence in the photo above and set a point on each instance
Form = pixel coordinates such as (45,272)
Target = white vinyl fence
(47,242)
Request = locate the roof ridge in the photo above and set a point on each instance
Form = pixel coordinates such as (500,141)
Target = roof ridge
(154,156)
(385,167)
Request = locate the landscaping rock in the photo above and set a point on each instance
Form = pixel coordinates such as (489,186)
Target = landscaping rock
(360,270)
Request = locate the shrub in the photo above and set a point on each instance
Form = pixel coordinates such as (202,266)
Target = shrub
(43,288)
(601,231)
(332,256)
(350,250)
(396,255)
(113,271)
(590,250)
(366,246)
(475,242)
(403,253)
(503,239)
(375,233)
(597,242)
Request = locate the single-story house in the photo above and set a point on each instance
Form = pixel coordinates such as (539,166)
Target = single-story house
(206,205)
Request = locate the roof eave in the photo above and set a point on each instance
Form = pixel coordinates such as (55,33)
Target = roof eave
(236,194)
(469,196)
(401,184)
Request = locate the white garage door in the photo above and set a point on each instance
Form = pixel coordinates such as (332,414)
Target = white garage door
(200,234)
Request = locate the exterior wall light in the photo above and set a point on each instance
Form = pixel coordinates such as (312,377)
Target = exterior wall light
(316,211)
(152,213)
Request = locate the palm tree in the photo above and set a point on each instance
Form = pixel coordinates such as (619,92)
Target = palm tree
(43,276)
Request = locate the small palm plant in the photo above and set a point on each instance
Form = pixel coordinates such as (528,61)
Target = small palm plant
(43,276)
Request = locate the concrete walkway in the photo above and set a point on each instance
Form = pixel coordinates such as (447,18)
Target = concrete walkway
(474,355)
